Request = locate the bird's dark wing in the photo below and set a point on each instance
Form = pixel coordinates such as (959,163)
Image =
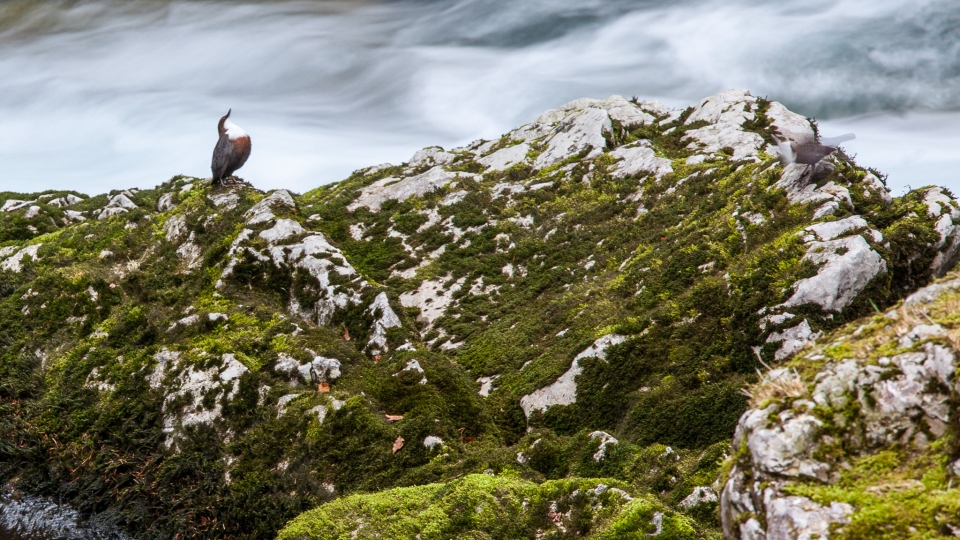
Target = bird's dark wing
(811,154)
(222,154)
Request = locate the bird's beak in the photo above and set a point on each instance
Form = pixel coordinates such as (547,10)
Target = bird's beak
(228,113)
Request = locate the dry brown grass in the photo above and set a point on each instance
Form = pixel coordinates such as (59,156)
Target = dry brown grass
(784,384)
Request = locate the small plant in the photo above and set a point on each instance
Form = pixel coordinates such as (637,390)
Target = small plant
(775,384)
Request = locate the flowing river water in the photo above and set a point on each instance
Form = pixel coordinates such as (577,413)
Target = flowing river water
(104,94)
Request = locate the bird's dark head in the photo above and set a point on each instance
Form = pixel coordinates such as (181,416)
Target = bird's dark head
(220,129)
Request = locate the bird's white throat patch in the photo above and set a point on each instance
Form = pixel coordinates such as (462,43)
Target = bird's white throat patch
(232,130)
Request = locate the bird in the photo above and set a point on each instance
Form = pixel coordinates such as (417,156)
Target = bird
(232,150)
(810,153)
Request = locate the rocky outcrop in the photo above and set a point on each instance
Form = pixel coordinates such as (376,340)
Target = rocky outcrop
(889,385)
(564,300)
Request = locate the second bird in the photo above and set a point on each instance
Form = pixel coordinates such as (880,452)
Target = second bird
(231,152)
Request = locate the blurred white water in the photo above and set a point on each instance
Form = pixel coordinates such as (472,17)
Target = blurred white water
(116,93)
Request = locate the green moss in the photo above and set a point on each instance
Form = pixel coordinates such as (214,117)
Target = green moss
(482,506)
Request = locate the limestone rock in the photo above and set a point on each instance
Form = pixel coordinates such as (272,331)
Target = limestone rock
(118,204)
(846,267)
(577,132)
(564,390)
(639,157)
(505,157)
(374,195)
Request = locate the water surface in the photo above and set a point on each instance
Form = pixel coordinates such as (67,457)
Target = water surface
(103,94)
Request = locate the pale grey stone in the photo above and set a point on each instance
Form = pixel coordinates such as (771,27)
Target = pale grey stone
(118,204)
(430,156)
(700,495)
(799,518)
(486,384)
(564,390)
(575,133)
(175,227)
(165,203)
(283,402)
(930,293)
(226,200)
(14,263)
(846,267)
(263,210)
(792,339)
(431,298)
(387,319)
(828,230)
(605,440)
(639,157)
(505,158)
(381,191)
(282,230)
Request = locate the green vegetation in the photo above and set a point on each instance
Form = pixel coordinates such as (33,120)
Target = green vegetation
(481,506)
(139,353)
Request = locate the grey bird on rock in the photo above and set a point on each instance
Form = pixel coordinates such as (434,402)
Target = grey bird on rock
(810,153)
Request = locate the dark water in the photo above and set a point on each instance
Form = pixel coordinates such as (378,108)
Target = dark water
(31,518)
(101,94)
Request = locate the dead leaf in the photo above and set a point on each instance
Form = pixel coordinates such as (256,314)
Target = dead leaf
(394,417)
(397,444)
(346,333)
(323,388)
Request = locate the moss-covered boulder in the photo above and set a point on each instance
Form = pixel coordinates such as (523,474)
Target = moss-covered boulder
(585,297)
(856,436)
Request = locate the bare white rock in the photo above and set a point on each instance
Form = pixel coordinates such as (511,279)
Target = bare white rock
(198,384)
(432,442)
(639,157)
(390,188)
(930,293)
(564,390)
(283,402)
(191,253)
(226,200)
(791,125)
(118,204)
(385,318)
(175,227)
(505,158)
(431,156)
(320,370)
(282,230)
(792,339)
(828,230)
(14,263)
(432,299)
(165,203)
(846,266)
(606,440)
(726,112)
(11,205)
(700,495)
(574,134)
(286,364)
(796,518)
(486,384)
(263,210)
(74,215)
